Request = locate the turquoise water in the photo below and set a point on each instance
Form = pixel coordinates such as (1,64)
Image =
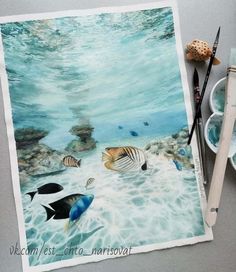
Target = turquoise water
(99,68)
(108,70)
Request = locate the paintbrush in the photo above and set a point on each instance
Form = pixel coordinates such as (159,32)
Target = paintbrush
(224,143)
(199,127)
(204,85)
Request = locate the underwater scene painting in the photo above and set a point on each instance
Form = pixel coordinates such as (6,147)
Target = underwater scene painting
(100,128)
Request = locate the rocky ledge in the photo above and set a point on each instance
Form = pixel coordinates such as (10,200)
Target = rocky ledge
(34,158)
(173,147)
(83,141)
(28,136)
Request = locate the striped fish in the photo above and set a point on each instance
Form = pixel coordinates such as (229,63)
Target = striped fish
(70,161)
(124,159)
(89,182)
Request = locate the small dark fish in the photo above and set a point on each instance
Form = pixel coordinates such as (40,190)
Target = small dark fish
(49,188)
(177,165)
(120,127)
(70,161)
(146,124)
(61,208)
(133,133)
(89,182)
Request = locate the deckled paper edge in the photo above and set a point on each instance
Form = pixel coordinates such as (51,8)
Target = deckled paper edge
(13,155)
(208,236)
(189,110)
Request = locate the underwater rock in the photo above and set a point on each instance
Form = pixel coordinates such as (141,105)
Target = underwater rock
(174,148)
(28,136)
(84,132)
(79,146)
(24,177)
(37,160)
(84,141)
(34,158)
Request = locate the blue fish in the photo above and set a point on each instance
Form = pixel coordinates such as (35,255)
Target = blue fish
(177,165)
(120,127)
(80,207)
(133,133)
(182,152)
(146,124)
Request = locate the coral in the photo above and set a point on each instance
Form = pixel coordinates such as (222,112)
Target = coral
(35,158)
(174,148)
(28,136)
(84,139)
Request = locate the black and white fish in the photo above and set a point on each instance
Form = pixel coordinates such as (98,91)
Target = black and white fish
(61,208)
(124,159)
(70,161)
(89,182)
(49,188)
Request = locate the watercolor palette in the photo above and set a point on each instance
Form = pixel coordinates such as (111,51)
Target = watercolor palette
(214,123)
(217,96)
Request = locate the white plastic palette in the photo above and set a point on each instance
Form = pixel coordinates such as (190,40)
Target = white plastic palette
(214,123)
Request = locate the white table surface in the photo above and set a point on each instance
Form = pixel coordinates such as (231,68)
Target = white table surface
(198,19)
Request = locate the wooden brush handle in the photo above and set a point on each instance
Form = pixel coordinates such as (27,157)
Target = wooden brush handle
(223,150)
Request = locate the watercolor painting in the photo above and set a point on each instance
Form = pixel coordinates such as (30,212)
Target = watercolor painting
(100,127)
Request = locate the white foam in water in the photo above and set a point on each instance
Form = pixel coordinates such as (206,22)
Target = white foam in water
(129,209)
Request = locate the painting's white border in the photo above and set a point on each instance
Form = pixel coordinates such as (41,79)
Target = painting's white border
(12,146)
